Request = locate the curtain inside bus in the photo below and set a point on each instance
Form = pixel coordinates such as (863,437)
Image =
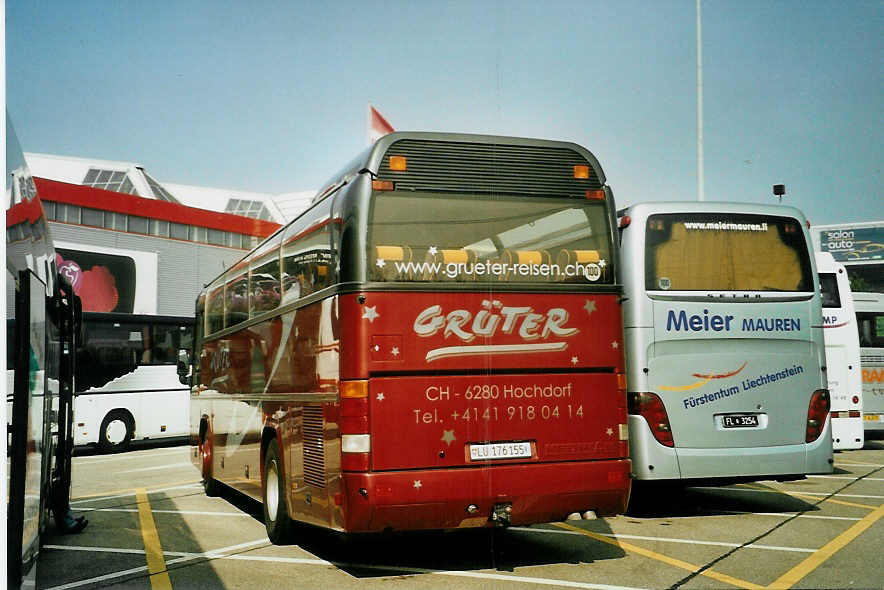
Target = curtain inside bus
(718,252)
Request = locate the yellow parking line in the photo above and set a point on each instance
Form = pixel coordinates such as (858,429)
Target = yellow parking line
(156,563)
(808,496)
(664,558)
(794,575)
(132,490)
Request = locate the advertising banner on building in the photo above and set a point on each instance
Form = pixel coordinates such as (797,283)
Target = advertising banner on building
(858,244)
(110,280)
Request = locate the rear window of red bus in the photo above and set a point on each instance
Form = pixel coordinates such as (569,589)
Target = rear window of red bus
(440,237)
(726,252)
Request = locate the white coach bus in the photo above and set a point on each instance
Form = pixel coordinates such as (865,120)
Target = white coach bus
(842,354)
(127,385)
(870,320)
(724,344)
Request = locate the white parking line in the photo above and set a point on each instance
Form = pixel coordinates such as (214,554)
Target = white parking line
(779,491)
(672,540)
(132,493)
(183,512)
(846,477)
(128,456)
(792,514)
(224,554)
(159,467)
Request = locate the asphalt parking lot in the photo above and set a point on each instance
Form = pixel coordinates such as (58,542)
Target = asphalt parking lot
(152,527)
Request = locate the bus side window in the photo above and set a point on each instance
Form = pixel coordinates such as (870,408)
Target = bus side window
(306,261)
(215,307)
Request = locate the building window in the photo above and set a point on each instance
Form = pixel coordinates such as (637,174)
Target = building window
(137,225)
(93,217)
(110,180)
(160,228)
(179,231)
(158,191)
(253,209)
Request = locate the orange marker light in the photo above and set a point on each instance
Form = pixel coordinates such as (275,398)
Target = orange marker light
(595,195)
(398,163)
(581,171)
(382,185)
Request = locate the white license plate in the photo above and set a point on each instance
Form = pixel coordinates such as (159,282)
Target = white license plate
(749,421)
(511,450)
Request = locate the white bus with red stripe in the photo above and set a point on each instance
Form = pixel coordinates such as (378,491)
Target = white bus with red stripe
(842,354)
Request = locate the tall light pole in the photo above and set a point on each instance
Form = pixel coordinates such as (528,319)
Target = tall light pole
(701,196)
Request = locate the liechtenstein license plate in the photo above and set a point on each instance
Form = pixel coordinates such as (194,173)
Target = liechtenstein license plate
(505,450)
(739,421)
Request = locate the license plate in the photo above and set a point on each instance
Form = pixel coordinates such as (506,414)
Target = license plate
(739,421)
(872,417)
(510,450)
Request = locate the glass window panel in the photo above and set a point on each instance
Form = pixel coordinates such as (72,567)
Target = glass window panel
(829,288)
(137,225)
(306,259)
(117,176)
(49,209)
(179,231)
(726,252)
(93,217)
(237,304)
(91,176)
(158,227)
(423,236)
(216,236)
(104,176)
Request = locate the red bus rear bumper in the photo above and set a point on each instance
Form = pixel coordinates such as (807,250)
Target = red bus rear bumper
(438,498)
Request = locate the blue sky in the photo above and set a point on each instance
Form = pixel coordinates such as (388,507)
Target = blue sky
(271,96)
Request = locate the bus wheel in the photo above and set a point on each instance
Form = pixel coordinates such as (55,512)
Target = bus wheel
(210,484)
(276,515)
(116,432)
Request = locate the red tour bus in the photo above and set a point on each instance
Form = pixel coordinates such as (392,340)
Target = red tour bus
(435,343)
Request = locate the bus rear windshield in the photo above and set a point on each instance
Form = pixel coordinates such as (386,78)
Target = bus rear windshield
(426,236)
(733,252)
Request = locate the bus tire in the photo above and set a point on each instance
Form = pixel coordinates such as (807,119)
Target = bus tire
(116,432)
(211,486)
(276,515)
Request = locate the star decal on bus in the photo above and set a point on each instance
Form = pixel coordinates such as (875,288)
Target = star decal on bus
(448,437)
(380,397)
(417,484)
(574,360)
(602,263)
(371,313)
(432,250)
(381,263)
(615,345)
(395,351)
(589,307)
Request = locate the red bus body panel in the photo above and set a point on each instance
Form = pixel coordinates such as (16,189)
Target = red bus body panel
(445,371)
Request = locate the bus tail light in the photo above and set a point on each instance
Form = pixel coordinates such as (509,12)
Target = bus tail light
(650,406)
(595,195)
(816,414)
(355,438)
(853,414)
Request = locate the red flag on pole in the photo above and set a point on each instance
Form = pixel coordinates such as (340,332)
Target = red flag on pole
(377,125)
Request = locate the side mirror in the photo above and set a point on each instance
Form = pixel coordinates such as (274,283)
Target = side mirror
(183,367)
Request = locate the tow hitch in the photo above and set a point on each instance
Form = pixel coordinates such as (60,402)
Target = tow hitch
(502,514)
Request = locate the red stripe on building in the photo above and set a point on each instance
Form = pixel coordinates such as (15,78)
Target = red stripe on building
(96,198)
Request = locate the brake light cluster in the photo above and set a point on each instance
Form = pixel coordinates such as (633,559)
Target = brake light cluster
(650,406)
(355,438)
(816,414)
